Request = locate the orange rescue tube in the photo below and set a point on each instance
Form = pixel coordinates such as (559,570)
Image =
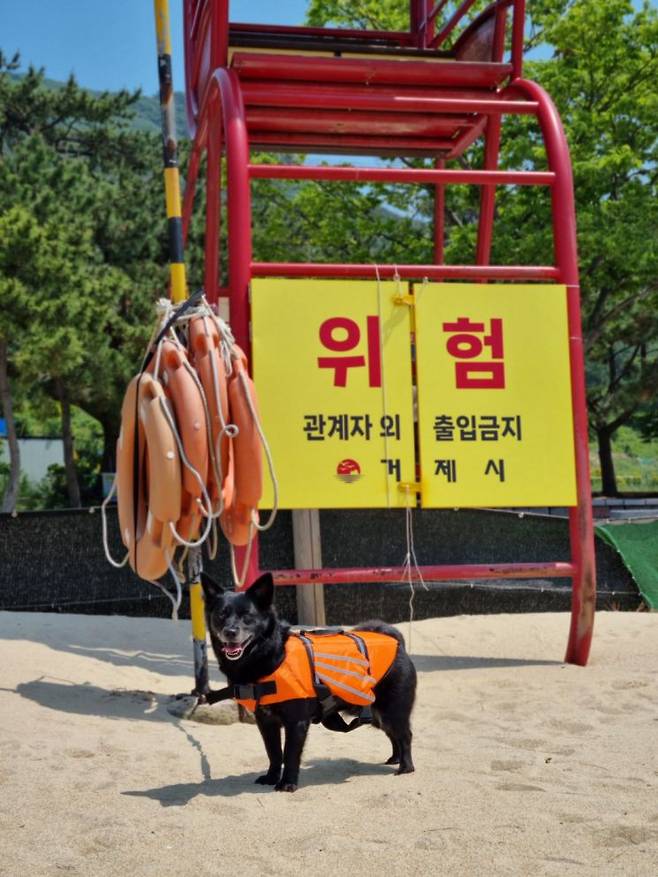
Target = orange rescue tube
(148,479)
(185,396)
(204,347)
(240,518)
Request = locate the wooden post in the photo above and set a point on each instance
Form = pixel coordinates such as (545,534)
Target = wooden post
(308,555)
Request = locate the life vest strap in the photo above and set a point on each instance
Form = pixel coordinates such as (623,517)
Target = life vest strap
(253,691)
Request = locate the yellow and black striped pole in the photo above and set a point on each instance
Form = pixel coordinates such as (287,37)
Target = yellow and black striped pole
(178,284)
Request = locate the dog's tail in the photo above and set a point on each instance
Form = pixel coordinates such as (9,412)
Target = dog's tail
(377,626)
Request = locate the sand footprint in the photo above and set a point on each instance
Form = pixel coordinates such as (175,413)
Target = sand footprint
(508,765)
(571,727)
(626,836)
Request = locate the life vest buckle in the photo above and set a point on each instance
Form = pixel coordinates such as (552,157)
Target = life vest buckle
(254,691)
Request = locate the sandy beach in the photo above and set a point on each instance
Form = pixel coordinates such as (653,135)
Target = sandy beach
(524,765)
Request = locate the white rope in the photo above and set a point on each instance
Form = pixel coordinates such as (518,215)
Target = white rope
(227,345)
(240,579)
(410,558)
(384,402)
(268,456)
(228,429)
(175,601)
(104,523)
(222,326)
(165,309)
(158,360)
(179,593)
(162,316)
(213,544)
(211,445)
(181,450)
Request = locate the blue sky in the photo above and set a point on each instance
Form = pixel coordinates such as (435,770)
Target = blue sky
(115,49)
(111,49)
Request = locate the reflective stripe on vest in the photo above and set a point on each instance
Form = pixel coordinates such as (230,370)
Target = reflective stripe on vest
(342,668)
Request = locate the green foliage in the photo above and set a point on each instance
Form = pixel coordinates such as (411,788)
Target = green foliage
(366,14)
(329,222)
(83,229)
(635,462)
(602,78)
(376,14)
(81,252)
(36,416)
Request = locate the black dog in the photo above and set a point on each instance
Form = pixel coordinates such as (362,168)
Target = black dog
(249,642)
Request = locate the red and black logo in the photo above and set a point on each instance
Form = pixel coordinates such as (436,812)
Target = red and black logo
(348,471)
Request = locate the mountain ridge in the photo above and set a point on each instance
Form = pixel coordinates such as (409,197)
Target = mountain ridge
(146,108)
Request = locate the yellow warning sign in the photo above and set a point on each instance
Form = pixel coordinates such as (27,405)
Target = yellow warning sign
(494,395)
(332,366)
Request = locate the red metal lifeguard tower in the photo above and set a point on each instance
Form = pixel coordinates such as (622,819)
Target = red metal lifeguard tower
(431,91)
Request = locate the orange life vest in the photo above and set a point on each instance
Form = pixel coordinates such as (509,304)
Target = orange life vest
(349,665)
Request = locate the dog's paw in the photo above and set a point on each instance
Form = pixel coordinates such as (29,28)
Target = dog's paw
(268,779)
(404,768)
(282,786)
(394,759)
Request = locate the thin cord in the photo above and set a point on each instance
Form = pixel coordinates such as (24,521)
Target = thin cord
(106,546)
(268,455)
(383,382)
(240,579)
(181,450)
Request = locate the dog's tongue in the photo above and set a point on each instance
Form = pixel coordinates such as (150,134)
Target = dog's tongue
(233,651)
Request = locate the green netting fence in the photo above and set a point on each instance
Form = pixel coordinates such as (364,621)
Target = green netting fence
(637,543)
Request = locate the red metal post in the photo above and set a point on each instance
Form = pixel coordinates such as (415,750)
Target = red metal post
(224,97)
(518,30)
(566,256)
(439,216)
(218,33)
(488,193)
(190,188)
(224,112)
(417,18)
(452,23)
(213,204)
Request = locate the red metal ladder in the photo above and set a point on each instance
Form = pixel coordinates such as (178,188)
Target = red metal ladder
(431,91)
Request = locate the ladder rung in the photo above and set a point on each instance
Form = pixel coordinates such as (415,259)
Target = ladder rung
(412,176)
(406,272)
(314,96)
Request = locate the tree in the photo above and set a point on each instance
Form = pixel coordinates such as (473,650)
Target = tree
(17,234)
(90,189)
(366,14)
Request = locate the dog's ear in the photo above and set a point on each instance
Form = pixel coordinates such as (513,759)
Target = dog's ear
(262,591)
(211,589)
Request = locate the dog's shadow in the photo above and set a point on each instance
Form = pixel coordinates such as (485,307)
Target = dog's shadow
(448,663)
(318,772)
